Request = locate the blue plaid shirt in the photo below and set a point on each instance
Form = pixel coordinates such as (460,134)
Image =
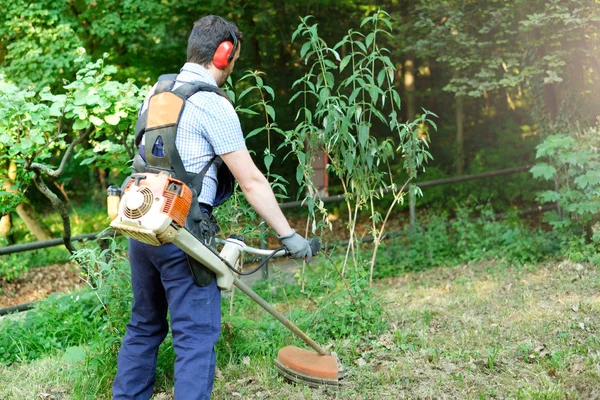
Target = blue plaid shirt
(208,126)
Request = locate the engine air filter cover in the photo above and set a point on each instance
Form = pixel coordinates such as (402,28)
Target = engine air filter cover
(151,204)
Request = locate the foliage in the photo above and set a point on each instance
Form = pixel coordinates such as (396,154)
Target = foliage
(236,216)
(39,46)
(548,45)
(572,162)
(330,309)
(38,125)
(474,235)
(93,121)
(348,306)
(58,323)
(340,115)
(109,285)
(13,266)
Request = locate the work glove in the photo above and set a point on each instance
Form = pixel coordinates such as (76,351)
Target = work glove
(296,246)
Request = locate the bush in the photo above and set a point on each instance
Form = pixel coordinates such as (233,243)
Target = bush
(56,324)
(441,241)
(572,162)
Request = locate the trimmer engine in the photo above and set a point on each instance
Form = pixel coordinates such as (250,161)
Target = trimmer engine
(153,210)
(150,205)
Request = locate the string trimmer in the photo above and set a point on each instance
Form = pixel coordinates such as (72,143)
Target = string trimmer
(153,209)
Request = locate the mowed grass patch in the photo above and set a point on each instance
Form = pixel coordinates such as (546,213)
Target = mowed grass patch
(475,331)
(47,378)
(484,330)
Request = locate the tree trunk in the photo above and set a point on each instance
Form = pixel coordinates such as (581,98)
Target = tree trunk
(409,87)
(26,212)
(32,221)
(5,224)
(102,178)
(460,115)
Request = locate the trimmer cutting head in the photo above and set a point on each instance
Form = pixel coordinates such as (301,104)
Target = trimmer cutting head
(309,368)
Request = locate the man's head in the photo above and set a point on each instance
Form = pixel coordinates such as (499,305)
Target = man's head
(207,35)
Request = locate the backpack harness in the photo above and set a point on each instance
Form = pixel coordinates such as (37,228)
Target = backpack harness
(159,122)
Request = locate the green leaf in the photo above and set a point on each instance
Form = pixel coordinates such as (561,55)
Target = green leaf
(548,196)
(269,90)
(299,175)
(349,161)
(81,124)
(543,170)
(271,111)
(363,134)
(80,97)
(112,119)
(96,121)
(381,77)
(74,354)
(92,99)
(245,92)
(268,159)
(255,132)
(56,109)
(304,49)
(591,178)
(370,38)
(345,62)
(87,161)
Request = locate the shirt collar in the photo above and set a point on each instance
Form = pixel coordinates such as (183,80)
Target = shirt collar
(195,72)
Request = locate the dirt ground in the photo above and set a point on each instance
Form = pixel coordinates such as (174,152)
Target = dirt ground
(37,284)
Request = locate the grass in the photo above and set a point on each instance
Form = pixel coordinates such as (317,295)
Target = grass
(84,219)
(47,378)
(474,331)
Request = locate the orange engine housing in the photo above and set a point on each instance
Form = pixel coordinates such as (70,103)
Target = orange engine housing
(177,195)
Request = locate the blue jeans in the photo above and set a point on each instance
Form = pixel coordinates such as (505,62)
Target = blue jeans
(161,279)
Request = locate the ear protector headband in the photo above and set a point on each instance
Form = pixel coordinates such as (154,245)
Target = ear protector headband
(226,50)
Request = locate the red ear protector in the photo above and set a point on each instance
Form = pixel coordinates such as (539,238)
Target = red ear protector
(226,51)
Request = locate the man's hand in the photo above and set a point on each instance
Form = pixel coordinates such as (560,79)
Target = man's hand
(296,246)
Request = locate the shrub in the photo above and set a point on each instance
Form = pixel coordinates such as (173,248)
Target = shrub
(572,162)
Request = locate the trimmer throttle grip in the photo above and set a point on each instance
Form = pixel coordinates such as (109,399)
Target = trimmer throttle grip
(315,245)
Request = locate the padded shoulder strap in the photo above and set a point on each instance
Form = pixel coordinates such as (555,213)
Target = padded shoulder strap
(168,131)
(165,83)
(188,89)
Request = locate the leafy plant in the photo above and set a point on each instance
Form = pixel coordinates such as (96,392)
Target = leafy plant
(572,163)
(236,215)
(340,114)
(93,122)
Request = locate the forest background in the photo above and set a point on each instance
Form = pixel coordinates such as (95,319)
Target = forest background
(469,86)
(500,75)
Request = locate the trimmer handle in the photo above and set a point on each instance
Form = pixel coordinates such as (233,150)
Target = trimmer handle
(315,245)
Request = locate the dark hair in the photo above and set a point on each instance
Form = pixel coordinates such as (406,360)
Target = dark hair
(207,34)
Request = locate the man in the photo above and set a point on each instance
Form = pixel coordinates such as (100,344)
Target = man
(161,276)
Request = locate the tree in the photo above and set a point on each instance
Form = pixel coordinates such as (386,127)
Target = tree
(346,110)
(92,122)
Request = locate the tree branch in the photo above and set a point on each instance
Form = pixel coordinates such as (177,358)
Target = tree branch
(58,172)
(60,207)
(48,143)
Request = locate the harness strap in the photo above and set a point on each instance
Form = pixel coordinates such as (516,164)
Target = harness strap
(168,133)
(188,89)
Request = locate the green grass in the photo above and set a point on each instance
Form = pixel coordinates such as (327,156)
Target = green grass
(512,323)
(473,331)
